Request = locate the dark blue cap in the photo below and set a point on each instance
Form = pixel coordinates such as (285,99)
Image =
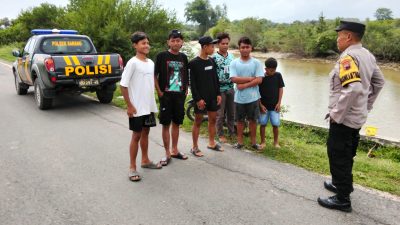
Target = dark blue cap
(206,40)
(355,27)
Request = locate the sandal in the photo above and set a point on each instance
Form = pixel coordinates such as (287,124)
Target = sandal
(217,147)
(151,165)
(165,161)
(134,176)
(257,147)
(238,146)
(180,155)
(196,152)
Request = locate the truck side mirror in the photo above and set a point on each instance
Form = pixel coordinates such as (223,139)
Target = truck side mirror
(16,53)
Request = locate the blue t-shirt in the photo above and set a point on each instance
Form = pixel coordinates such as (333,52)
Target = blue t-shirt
(249,68)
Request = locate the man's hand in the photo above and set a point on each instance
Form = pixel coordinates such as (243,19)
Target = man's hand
(131,110)
(263,109)
(160,94)
(201,104)
(278,107)
(241,86)
(219,99)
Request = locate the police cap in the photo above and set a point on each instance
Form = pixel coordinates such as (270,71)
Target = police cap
(355,27)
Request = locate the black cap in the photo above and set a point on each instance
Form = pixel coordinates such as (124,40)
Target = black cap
(355,27)
(206,40)
(175,34)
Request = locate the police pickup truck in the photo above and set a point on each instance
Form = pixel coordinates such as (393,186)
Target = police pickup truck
(55,61)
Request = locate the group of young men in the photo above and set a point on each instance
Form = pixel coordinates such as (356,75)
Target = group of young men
(228,90)
(238,90)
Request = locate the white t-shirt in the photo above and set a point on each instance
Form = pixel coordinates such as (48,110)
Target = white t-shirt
(138,77)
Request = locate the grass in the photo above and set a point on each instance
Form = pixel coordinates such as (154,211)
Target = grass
(305,147)
(6,51)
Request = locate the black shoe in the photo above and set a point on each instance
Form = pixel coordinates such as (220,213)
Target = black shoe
(329,186)
(334,203)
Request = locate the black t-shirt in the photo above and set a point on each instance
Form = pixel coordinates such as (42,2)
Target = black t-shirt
(269,90)
(172,72)
(204,82)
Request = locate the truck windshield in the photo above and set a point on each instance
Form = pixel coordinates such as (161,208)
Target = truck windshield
(65,45)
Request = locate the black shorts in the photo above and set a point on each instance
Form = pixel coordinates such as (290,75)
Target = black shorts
(210,106)
(172,108)
(249,111)
(137,123)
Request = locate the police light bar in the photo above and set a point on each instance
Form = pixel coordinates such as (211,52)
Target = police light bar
(53,31)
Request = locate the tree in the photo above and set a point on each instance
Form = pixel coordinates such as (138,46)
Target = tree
(201,12)
(384,14)
(5,22)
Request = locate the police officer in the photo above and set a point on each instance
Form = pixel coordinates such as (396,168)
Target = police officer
(355,83)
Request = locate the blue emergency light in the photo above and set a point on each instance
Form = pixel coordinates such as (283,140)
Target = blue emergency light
(53,31)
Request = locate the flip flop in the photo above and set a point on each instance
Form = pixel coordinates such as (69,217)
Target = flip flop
(217,147)
(180,155)
(151,165)
(165,161)
(132,174)
(238,146)
(196,152)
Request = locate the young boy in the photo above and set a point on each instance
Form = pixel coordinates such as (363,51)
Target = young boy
(205,92)
(171,80)
(137,88)
(271,91)
(247,73)
(223,59)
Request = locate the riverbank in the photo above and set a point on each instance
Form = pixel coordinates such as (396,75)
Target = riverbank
(328,60)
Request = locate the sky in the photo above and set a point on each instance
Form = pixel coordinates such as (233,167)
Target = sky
(275,10)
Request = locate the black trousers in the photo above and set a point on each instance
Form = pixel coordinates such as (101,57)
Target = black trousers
(342,147)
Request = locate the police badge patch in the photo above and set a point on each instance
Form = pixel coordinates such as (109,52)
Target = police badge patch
(348,72)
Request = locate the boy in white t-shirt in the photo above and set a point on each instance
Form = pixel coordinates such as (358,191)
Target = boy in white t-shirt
(137,87)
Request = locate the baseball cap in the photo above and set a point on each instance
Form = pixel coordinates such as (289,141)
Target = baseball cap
(205,40)
(355,27)
(175,34)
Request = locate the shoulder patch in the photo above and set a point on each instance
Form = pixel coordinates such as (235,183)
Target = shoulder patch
(348,72)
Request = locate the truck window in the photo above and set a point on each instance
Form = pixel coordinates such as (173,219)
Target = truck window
(66,45)
(26,49)
(32,46)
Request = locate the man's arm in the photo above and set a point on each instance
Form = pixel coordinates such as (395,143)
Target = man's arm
(254,82)
(241,80)
(157,86)
(278,105)
(377,82)
(131,110)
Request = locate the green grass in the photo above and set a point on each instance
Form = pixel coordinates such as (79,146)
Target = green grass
(6,51)
(305,147)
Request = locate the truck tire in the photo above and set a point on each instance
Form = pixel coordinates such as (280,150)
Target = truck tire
(106,93)
(20,87)
(41,102)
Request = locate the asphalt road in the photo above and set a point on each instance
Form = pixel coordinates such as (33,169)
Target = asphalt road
(69,165)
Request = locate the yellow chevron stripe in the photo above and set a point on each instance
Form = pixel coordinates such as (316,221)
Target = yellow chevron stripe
(99,59)
(107,62)
(76,60)
(67,61)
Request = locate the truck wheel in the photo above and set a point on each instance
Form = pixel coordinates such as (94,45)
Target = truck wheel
(106,93)
(41,102)
(19,86)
